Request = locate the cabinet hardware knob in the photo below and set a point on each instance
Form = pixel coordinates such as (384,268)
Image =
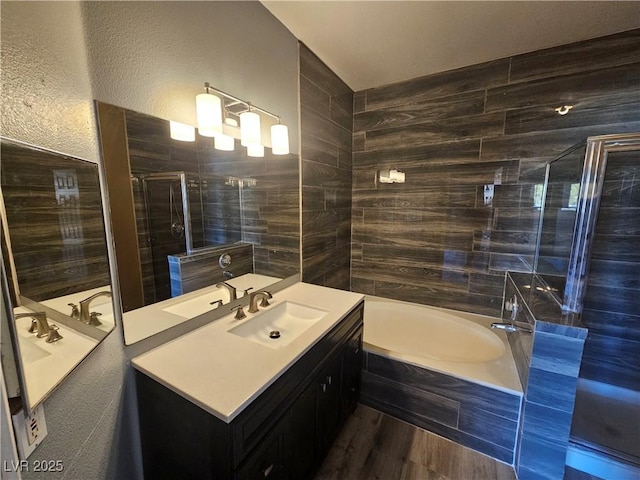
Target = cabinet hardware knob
(329,380)
(324,387)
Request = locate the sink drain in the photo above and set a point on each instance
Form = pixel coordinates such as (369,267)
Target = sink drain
(274,334)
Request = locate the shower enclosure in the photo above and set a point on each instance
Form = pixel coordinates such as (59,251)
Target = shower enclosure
(180,212)
(589,255)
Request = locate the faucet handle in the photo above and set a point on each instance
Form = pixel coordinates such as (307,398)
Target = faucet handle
(239,312)
(54,335)
(93,319)
(247,290)
(219,302)
(75,312)
(33,328)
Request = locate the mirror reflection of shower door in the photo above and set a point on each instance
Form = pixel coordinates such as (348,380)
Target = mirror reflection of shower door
(168,225)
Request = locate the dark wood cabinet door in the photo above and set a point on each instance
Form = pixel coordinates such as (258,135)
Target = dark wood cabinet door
(329,404)
(303,433)
(352,373)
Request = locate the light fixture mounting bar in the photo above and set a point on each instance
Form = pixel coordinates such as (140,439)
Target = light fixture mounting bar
(237,101)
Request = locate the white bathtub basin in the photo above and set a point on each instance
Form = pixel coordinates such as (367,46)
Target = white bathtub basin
(288,319)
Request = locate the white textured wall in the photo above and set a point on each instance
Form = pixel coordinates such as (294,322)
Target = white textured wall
(154,57)
(151,57)
(46,89)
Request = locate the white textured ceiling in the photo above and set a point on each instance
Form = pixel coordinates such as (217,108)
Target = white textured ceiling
(374,43)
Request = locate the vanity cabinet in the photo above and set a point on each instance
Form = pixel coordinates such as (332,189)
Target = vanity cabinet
(283,434)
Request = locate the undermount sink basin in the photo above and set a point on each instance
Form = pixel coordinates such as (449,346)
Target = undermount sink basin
(278,326)
(30,352)
(197,305)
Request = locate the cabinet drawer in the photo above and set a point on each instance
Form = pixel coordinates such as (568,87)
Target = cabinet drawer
(269,460)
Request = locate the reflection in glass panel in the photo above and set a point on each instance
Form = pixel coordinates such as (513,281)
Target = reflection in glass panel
(170,222)
(560,196)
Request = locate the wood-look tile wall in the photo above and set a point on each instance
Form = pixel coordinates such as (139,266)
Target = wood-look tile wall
(326,105)
(436,239)
(201,269)
(474,415)
(612,300)
(56,228)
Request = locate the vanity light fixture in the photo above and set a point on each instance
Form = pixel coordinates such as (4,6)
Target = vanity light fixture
(182,131)
(250,133)
(279,139)
(564,109)
(209,113)
(218,112)
(255,150)
(226,142)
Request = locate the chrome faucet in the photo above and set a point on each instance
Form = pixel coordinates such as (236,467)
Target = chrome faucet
(231,289)
(85,314)
(253,300)
(39,325)
(508,327)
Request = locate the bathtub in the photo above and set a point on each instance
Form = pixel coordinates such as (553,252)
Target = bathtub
(444,371)
(456,343)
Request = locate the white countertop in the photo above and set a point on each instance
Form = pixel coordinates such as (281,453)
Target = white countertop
(146,321)
(222,372)
(47,364)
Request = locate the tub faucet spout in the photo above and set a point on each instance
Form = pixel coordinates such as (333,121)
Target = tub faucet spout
(85,314)
(508,327)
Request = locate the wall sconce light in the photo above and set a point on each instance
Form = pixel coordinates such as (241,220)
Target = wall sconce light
(390,176)
(182,132)
(564,109)
(217,110)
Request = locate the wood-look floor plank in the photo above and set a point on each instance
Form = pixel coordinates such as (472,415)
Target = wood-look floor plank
(373,445)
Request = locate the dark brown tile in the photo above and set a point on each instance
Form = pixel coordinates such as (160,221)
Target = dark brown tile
(477,77)
(604,52)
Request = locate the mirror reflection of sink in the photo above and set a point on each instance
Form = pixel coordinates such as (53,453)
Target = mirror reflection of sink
(289,319)
(31,353)
(198,305)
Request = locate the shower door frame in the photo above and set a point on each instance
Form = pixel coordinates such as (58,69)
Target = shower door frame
(186,212)
(591,184)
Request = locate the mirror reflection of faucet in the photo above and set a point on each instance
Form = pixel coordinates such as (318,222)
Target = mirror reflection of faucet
(230,288)
(40,326)
(85,313)
(219,302)
(75,312)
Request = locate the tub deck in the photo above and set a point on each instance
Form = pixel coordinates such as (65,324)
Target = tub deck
(474,404)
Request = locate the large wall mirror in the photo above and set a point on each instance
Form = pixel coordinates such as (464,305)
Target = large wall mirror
(55,258)
(194,228)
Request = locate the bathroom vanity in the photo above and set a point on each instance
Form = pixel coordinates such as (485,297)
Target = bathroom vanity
(220,402)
